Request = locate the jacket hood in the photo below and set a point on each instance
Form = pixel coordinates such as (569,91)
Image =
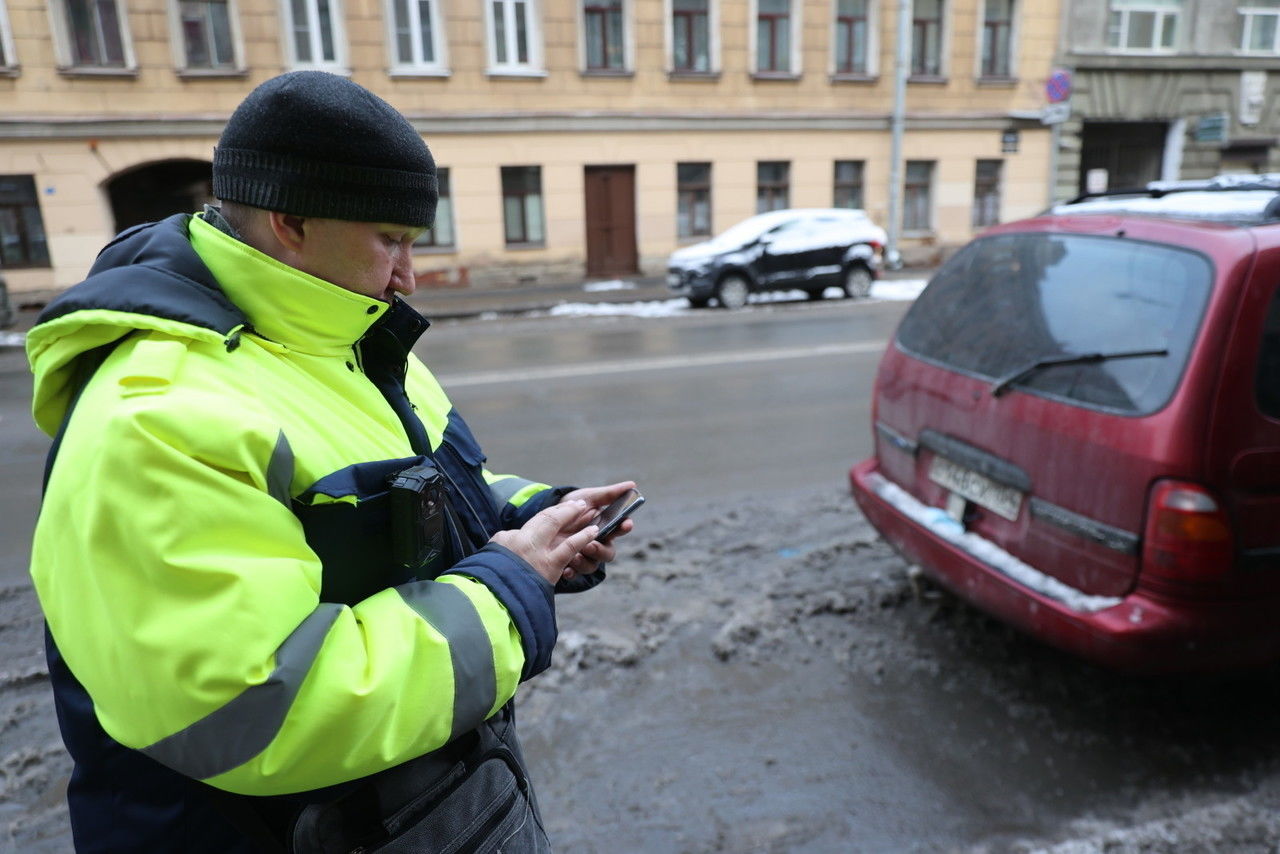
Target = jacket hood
(148,278)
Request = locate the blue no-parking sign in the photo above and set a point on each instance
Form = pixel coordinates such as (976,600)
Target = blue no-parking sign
(1058,87)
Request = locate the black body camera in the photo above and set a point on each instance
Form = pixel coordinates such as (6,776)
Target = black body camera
(418,508)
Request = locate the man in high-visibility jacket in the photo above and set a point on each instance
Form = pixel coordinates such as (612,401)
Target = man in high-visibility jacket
(245,655)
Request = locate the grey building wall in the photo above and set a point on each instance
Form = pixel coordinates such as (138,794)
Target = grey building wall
(1191,89)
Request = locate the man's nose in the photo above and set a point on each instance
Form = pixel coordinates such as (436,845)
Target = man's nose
(403,268)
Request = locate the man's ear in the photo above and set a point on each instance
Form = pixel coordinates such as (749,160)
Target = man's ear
(289,230)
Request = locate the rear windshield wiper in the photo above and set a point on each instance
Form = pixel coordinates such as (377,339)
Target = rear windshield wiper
(1002,385)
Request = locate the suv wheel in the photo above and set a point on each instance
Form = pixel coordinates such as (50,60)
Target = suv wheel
(732,292)
(857,281)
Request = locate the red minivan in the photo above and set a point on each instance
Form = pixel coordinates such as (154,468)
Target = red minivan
(1077,428)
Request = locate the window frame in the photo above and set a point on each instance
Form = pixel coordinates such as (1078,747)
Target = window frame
(871,49)
(27,243)
(928,194)
(772,190)
(922,71)
(526,242)
(624,21)
(795,15)
(860,184)
(694,191)
(337,23)
(430,241)
(713,40)
(1160,10)
(533,64)
(1011,56)
(178,43)
(8,53)
(64,49)
(1248,16)
(986,207)
(398,67)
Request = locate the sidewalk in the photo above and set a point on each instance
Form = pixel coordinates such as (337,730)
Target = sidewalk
(451,303)
(454,303)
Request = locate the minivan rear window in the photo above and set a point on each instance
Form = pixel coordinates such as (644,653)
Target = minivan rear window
(1008,302)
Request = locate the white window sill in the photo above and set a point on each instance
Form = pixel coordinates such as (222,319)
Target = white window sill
(499,71)
(409,71)
(96,71)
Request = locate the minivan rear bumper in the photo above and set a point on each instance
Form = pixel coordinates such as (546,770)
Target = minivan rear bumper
(1136,633)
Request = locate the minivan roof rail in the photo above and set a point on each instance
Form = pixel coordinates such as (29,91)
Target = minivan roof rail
(1237,199)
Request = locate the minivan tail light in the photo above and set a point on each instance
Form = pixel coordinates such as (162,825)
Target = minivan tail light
(1188,535)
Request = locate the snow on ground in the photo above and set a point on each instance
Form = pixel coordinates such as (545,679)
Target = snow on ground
(610,285)
(659,308)
(897,289)
(12,339)
(901,289)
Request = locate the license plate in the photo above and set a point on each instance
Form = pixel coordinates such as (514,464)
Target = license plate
(999,499)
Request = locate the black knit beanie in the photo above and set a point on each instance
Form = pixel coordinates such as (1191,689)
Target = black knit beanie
(311,143)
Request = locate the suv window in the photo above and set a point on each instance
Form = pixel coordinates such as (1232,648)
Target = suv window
(1267,383)
(1006,302)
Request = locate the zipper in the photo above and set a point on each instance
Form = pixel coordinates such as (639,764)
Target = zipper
(463,495)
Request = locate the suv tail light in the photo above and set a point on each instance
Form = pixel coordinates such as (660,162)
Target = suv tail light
(1188,535)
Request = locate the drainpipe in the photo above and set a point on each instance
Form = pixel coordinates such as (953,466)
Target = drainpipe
(897,124)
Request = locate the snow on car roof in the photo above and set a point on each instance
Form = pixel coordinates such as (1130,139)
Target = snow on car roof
(1232,199)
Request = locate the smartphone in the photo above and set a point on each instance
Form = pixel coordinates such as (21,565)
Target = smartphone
(611,517)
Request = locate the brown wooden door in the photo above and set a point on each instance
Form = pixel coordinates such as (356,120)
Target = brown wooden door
(611,220)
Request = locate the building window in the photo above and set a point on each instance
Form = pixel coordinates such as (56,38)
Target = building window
(1259,31)
(691,35)
(693,199)
(1145,25)
(917,196)
(986,193)
(207,41)
(315,33)
(602,29)
(773,185)
(440,234)
(22,240)
(514,39)
(926,38)
(997,38)
(848,184)
(773,36)
(416,35)
(95,34)
(522,204)
(853,33)
(7,57)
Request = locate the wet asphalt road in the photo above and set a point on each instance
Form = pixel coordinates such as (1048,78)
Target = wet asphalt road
(704,405)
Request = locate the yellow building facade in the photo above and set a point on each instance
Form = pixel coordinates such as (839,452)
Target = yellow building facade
(580,137)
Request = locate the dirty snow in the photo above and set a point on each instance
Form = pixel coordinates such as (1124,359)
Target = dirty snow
(771,677)
(12,339)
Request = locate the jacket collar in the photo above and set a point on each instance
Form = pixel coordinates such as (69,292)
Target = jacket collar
(285,305)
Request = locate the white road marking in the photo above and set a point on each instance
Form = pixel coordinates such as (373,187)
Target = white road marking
(659,363)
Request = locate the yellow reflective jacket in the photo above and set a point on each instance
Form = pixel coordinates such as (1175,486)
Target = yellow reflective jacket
(171,559)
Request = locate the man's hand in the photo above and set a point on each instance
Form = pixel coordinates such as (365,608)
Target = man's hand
(596,553)
(552,539)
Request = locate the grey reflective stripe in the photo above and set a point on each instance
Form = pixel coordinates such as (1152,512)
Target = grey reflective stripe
(451,613)
(280,471)
(240,730)
(502,490)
